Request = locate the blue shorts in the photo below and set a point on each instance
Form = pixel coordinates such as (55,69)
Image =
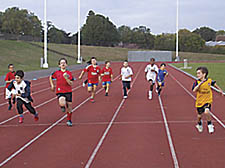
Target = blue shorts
(92,84)
(162,83)
(107,82)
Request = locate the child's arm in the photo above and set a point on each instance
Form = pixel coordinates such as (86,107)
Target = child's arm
(66,76)
(197,86)
(81,75)
(221,91)
(51,83)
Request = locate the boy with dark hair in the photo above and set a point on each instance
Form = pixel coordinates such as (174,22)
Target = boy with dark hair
(10,76)
(151,71)
(93,71)
(23,95)
(64,82)
(126,77)
(107,77)
(204,97)
(162,73)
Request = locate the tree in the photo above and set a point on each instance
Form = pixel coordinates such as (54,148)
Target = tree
(1,17)
(99,31)
(206,33)
(190,42)
(125,34)
(165,42)
(220,32)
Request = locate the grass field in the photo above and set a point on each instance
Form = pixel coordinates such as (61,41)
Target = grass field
(216,71)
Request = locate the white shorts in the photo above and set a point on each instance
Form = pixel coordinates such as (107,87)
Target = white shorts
(151,77)
(8,94)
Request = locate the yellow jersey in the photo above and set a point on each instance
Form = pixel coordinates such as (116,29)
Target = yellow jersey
(204,93)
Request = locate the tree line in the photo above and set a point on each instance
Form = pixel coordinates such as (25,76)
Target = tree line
(100,31)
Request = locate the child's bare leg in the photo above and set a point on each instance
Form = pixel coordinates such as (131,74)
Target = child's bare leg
(93,91)
(62,101)
(107,88)
(208,116)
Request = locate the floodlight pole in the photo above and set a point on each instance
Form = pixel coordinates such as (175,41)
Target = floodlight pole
(79,59)
(45,65)
(177,33)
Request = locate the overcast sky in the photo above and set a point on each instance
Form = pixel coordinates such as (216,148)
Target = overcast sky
(158,15)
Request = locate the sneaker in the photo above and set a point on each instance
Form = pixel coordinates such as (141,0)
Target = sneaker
(106,94)
(10,107)
(36,118)
(92,100)
(83,84)
(199,127)
(211,128)
(125,97)
(150,95)
(63,109)
(20,120)
(69,123)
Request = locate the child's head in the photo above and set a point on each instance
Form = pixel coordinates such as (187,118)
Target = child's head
(62,63)
(107,64)
(152,61)
(162,66)
(11,67)
(125,63)
(19,76)
(93,61)
(202,72)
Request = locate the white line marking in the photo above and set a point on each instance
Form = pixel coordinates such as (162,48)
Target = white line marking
(45,131)
(213,115)
(90,160)
(176,165)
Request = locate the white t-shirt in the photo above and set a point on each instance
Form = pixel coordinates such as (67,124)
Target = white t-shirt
(151,74)
(126,72)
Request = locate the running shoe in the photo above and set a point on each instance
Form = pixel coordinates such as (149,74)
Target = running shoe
(69,123)
(36,118)
(125,97)
(92,100)
(106,94)
(211,128)
(20,120)
(199,127)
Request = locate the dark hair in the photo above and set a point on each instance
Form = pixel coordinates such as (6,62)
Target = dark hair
(106,62)
(204,70)
(93,58)
(19,73)
(125,61)
(62,59)
(10,65)
(152,59)
(163,64)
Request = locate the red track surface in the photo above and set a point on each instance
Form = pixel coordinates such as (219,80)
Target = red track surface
(137,137)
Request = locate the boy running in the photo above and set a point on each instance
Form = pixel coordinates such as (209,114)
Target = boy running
(64,82)
(107,77)
(93,71)
(126,77)
(161,78)
(151,71)
(204,97)
(23,95)
(10,76)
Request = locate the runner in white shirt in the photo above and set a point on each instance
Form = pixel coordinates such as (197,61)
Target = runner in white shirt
(126,77)
(151,71)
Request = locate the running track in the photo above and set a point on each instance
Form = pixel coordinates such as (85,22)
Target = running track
(112,132)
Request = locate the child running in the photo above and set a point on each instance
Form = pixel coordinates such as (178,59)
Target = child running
(23,95)
(94,77)
(126,77)
(161,78)
(204,97)
(64,82)
(107,77)
(151,71)
(10,76)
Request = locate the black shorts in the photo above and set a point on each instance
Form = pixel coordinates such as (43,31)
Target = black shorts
(126,84)
(68,96)
(202,109)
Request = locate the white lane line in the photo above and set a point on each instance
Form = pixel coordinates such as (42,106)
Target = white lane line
(213,115)
(90,160)
(45,131)
(46,102)
(175,161)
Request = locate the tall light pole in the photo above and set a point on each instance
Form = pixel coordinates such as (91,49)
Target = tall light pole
(45,65)
(79,59)
(177,33)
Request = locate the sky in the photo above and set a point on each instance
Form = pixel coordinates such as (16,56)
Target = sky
(158,15)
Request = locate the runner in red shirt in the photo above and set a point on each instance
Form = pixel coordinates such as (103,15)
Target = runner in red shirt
(10,76)
(93,71)
(107,77)
(64,82)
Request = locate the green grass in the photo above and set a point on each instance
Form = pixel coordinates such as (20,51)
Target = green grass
(216,71)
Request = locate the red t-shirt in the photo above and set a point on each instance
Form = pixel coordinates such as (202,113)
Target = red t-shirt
(61,84)
(107,74)
(9,76)
(93,73)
